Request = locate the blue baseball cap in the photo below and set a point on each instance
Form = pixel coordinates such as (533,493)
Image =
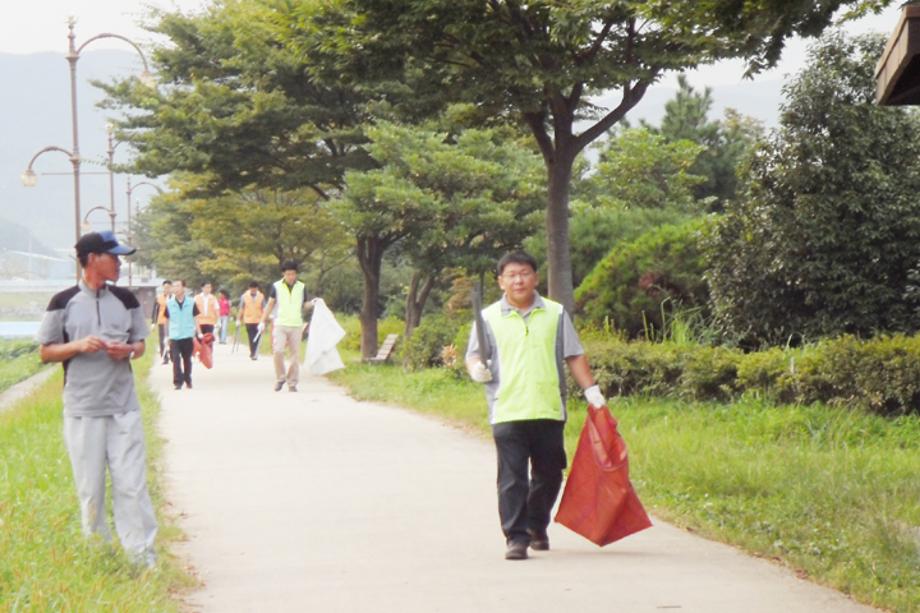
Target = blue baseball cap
(101,242)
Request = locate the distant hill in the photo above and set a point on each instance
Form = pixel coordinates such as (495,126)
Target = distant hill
(35,112)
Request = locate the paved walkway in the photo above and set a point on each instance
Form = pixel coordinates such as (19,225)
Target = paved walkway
(316,502)
(13,394)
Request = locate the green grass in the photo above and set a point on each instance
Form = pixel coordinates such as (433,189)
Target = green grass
(46,564)
(18,361)
(832,493)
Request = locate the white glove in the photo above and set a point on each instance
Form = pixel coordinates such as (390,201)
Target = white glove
(594,396)
(480,373)
(261,326)
(217,326)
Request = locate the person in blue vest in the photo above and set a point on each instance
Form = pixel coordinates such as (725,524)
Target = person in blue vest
(182,317)
(530,339)
(290,297)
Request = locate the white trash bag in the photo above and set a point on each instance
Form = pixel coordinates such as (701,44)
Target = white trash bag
(325,334)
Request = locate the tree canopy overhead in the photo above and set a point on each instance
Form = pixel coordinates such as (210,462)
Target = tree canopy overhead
(538,61)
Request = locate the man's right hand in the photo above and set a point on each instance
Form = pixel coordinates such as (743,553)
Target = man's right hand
(479,372)
(261,326)
(91,344)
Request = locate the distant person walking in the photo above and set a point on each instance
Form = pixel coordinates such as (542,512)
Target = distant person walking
(182,314)
(223,302)
(250,312)
(208,309)
(530,339)
(290,297)
(159,319)
(95,329)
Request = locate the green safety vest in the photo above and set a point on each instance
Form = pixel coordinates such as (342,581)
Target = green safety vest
(528,385)
(290,303)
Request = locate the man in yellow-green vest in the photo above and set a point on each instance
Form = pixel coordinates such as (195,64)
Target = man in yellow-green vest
(528,340)
(290,297)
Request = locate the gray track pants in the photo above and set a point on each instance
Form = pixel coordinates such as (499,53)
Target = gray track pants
(116,442)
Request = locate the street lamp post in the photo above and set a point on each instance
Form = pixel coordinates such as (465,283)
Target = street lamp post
(73,55)
(129,189)
(29,179)
(110,153)
(86,225)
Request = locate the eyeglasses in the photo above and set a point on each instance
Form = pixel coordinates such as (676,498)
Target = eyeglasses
(522,276)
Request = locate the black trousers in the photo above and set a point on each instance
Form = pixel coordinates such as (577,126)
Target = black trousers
(180,351)
(251,331)
(525,503)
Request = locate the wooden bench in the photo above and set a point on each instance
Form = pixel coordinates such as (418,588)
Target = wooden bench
(385,351)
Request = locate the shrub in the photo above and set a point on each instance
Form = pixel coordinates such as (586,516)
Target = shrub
(638,284)
(635,368)
(881,375)
(760,372)
(709,373)
(424,348)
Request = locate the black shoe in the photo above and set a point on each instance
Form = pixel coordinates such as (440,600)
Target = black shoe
(252,357)
(166,360)
(179,387)
(279,385)
(188,384)
(292,388)
(516,551)
(538,540)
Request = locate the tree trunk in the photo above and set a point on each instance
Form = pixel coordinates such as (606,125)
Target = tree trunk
(558,256)
(416,298)
(370,256)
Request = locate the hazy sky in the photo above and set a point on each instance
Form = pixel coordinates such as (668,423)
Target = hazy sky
(31,26)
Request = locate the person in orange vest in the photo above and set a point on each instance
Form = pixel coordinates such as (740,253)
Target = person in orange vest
(159,319)
(208,309)
(250,313)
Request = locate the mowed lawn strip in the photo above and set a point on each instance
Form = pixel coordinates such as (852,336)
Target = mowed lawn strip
(46,564)
(831,492)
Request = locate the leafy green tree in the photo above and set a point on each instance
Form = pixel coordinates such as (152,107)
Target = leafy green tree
(537,62)
(829,229)
(640,169)
(442,202)
(165,241)
(724,142)
(640,182)
(234,105)
(237,237)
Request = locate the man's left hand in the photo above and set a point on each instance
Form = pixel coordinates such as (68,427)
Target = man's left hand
(594,396)
(119,351)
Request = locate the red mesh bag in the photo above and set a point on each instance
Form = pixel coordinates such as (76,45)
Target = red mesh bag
(204,349)
(599,502)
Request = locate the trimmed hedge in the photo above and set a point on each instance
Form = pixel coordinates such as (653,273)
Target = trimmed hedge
(881,375)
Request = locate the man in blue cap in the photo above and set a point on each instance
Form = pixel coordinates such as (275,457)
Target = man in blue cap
(95,328)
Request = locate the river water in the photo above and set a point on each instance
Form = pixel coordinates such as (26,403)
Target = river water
(18,329)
